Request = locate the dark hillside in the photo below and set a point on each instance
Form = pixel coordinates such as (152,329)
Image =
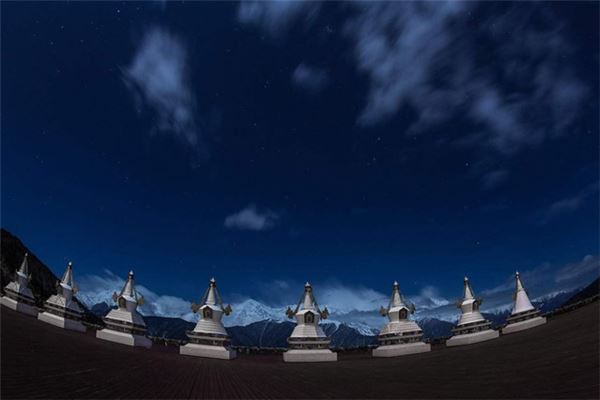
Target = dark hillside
(43,280)
(591,290)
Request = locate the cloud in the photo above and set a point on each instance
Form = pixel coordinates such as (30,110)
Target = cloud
(429,298)
(251,219)
(158,77)
(568,205)
(422,55)
(426,57)
(495,178)
(577,269)
(276,16)
(343,299)
(309,78)
(96,289)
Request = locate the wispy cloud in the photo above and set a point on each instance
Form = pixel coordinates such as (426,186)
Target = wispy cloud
(428,298)
(568,205)
(159,78)
(250,218)
(96,289)
(493,179)
(577,269)
(276,16)
(421,56)
(311,79)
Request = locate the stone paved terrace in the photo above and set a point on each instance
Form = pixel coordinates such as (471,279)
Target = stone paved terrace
(557,360)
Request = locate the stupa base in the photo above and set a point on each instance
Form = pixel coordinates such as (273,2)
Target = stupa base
(61,322)
(395,350)
(316,355)
(128,339)
(204,350)
(470,338)
(18,306)
(522,325)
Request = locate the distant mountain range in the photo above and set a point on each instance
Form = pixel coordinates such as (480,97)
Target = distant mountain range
(273,331)
(254,323)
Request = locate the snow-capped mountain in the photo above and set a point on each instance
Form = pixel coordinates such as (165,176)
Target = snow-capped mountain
(366,323)
(346,312)
(250,311)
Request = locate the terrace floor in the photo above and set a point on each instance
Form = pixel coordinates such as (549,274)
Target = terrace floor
(556,360)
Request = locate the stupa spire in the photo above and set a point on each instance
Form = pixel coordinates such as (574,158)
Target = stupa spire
(308,302)
(24,268)
(212,297)
(522,302)
(468,295)
(129,288)
(396,299)
(67,279)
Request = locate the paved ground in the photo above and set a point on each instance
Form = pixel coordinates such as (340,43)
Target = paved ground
(557,360)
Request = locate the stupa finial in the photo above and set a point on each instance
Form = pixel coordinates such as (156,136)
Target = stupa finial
(468,291)
(24,268)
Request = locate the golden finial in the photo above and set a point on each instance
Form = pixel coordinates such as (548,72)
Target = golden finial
(289,313)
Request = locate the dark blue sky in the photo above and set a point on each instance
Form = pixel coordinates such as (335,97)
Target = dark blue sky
(344,143)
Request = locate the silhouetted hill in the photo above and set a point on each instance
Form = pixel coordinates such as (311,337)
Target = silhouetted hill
(435,328)
(43,280)
(591,290)
(258,334)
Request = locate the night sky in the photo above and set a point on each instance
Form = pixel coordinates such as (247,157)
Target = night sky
(272,143)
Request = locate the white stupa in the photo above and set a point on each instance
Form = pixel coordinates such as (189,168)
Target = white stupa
(400,335)
(472,326)
(524,315)
(209,338)
(61,309)
(18,296)
(124,324)
(308,342)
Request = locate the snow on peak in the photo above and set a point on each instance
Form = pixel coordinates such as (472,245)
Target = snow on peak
(250,311)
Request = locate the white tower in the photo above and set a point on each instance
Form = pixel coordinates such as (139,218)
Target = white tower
(124,324)
(61,309)
(308,342)
(524,315)
(472,326)
(209,338)
(18,296)
(400,335)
